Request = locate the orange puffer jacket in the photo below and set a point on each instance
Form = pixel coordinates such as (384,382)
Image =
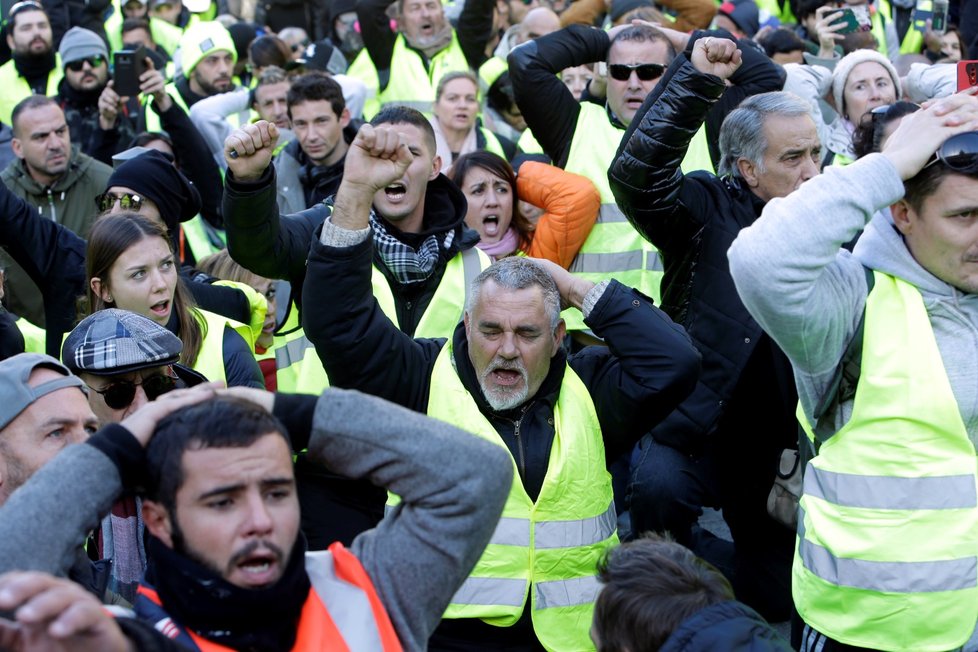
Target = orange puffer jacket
(570,203)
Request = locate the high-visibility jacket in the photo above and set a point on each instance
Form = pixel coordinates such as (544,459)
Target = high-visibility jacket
(775,9)
(546,550)
(614,249)
(165,35)
(412,83)
(14,88)
(492,143)
(342,611)
(201,238)
(35,337)
(362,68)
(210,359)
(887,554)
(301,370)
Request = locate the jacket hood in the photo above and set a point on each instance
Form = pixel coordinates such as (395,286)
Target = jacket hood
(729,626)
(839,138)
(77,165)
(882,247)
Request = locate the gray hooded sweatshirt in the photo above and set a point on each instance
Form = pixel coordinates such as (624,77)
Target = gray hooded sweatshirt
(809,294)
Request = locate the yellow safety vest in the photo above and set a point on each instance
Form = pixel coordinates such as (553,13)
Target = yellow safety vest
(879,31)
(35,337)
(491,70)
(772,9)
(200,237)
(210,359)
(411,82)
(164,34)
(302,371)
(545,550)
(362,68)
(492,143)
(613,249)
(913,40)
(887,554)
(14,88)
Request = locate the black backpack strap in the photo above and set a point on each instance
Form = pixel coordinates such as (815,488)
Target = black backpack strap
(843,385)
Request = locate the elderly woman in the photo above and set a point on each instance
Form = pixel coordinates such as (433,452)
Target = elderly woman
(860,82)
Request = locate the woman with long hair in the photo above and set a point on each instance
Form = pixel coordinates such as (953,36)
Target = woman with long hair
(130,265)
(497,196)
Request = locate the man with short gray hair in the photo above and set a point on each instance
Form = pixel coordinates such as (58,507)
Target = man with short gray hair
(722,445)
(504,375)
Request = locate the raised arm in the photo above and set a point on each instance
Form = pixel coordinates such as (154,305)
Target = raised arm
(665,206)
(259,239)
(548,106)
(375,26)
(358,344)
(54,258)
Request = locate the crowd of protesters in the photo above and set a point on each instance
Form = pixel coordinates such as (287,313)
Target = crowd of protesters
(372,325)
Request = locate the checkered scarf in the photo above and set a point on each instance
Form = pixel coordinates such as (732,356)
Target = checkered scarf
(404,262)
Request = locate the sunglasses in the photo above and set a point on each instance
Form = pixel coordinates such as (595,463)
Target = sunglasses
(94,62)
(127,201)
(959,153)
(120,394)
(645,71)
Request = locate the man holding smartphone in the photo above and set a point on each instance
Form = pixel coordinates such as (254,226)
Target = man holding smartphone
(86,76)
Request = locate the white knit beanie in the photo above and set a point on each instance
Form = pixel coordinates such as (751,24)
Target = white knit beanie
(850,61)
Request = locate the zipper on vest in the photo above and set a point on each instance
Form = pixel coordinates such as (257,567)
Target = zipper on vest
(519,441)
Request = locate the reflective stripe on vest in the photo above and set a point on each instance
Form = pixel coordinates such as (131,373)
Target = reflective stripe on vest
(411,82)
(545,550)
(342,612)
(887,554)
(210,359)
(613,249)
(439,319)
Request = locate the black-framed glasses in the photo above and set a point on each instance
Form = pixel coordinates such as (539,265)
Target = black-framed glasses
(120,394)
(959,153)
(645,71)
(93,62)
(127,201)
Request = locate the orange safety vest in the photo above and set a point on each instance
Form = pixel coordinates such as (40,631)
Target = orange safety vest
(351,630)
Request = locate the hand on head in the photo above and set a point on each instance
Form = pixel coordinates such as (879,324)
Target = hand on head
(920,134)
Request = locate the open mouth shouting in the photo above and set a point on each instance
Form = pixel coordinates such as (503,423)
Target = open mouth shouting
(259,564)
(490,225)
(160,310)
(396,191)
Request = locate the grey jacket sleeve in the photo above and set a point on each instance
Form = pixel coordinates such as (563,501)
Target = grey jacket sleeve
(210,116)
(793,277)
(45,521)
(452,485)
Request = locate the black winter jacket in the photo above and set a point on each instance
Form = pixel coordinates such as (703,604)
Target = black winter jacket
(729,626)
(54,257)
(551,110)
(276,246)
(692,220)
(647,368)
